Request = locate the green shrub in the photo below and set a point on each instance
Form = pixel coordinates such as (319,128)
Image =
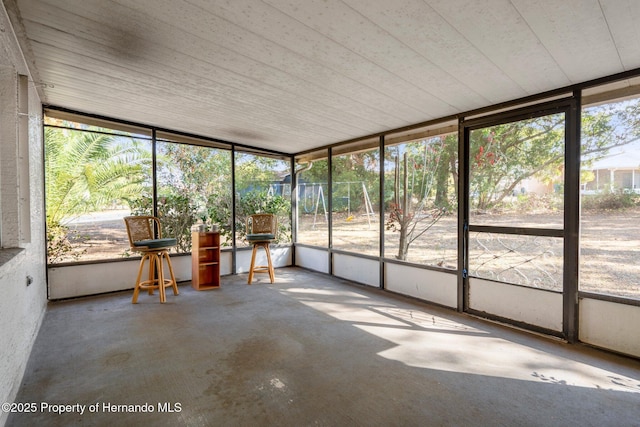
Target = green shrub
(609,201)
(62,243)
(219,212)
(539,203)
(176,213)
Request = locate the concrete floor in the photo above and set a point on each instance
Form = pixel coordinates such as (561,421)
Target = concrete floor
(310,350)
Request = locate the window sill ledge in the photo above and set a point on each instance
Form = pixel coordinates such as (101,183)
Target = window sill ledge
(8,254)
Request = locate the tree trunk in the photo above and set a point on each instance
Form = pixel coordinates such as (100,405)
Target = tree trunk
(442,182)
(403,244)
(403,217)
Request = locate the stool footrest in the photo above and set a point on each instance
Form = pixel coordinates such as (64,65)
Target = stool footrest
(156,278)
(261,268)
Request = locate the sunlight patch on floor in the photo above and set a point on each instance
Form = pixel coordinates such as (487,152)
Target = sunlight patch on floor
(424,340)
(447,351)
(353,313)
(326,292)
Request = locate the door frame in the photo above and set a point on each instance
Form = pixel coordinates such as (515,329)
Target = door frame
(570,230)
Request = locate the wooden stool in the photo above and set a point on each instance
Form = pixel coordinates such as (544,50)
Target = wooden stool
(142,231)
(261,230)
(156,278)
(261,268)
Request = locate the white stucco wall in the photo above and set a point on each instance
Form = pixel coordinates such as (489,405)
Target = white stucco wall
(312,258)
(532,306)
(22,306)
(427,285)
(280,257)
(610,325)
(70,281)
(361,270)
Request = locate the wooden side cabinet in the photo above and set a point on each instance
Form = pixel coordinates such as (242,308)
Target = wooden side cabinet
(205,260)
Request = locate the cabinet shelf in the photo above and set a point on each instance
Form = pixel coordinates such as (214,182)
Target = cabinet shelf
(208,287)
(205,260)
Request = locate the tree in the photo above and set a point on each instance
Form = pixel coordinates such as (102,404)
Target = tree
(446,174)
(254,172)
(252,202)
(190,178)
(86,171)
(502,157)
(260,188)
(194,184)
(419,199)
(349,172)
(194,170)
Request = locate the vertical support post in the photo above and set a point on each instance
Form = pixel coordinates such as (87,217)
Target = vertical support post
(234,268)
(154,173)
(293,195)
(381,213)
(570,303)
(463,216)
(330,200)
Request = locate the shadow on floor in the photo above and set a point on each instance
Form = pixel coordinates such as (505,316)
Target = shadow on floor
(309,350)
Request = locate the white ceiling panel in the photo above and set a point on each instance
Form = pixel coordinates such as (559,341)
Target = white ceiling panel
(291,76)
(428,34)
(576,35)
(502,35)
(399,67)
(622,20)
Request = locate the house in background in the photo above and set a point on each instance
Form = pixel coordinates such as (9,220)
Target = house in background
(619,170)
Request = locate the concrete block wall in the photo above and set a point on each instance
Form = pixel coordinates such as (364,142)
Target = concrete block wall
(22,235)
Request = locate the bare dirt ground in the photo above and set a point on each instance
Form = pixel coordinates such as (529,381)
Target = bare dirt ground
(610,253)
(609,241)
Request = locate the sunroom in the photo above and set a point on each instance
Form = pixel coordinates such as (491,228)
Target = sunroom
(449,152)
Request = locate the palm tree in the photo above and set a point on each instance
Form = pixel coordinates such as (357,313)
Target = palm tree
(86,171)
